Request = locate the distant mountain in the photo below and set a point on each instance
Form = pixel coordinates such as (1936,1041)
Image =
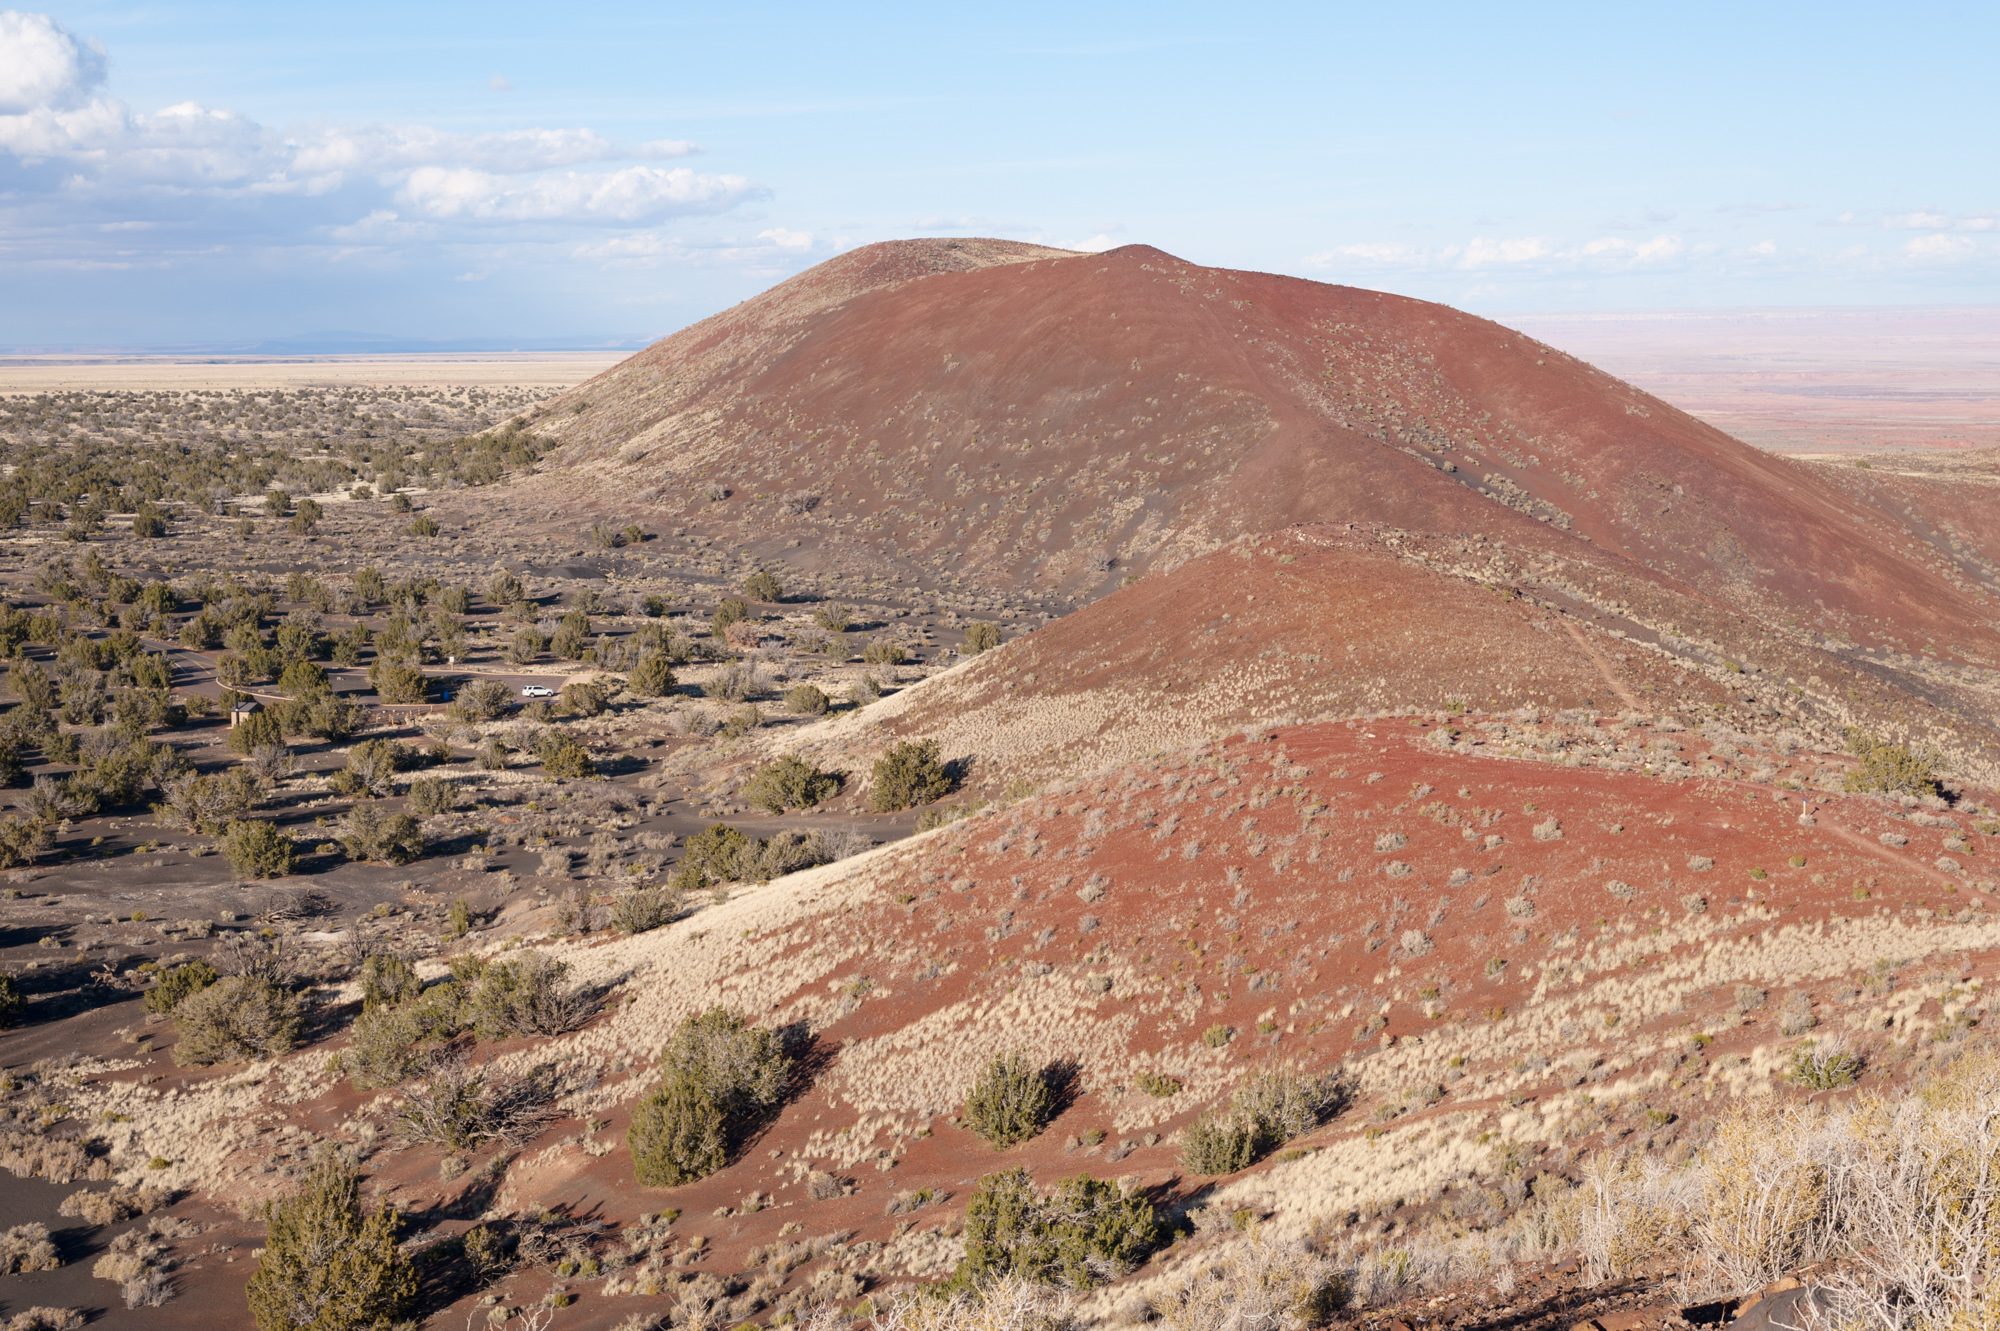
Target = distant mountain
(359,344)
(344,343)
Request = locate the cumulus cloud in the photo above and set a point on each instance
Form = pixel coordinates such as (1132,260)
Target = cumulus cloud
(41,65)
(87,157)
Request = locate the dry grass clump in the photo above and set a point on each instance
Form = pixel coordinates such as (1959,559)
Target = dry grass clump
(137,1263)
(109,1206)
(58,1159)
(1900,1194)
(1003,1304)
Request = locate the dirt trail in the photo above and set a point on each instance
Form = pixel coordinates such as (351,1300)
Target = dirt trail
(1597,658)
(1888,856)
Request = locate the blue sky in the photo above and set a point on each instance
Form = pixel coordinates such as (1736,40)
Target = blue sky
(218,174)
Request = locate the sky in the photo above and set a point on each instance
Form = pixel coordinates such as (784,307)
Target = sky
(216,176)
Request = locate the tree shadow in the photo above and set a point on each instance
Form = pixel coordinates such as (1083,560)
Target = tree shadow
(1559,1307)
(811,1056)
(25,936)
(1064,1078)
(74,988)
(623,764)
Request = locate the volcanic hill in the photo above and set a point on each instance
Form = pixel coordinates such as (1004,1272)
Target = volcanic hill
(1005,416)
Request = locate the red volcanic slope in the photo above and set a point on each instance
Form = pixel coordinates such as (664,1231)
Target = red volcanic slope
(1504,954)
(1322,621)
(1465,934)
(1029,422)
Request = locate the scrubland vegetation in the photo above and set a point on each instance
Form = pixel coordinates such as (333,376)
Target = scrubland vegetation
(468,924)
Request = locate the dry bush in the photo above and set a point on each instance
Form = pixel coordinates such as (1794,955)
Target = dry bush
(1913,1198)
(109,1206)
(1633,1212)
(237,1018)
(26,1248)
(460,1108)
(1272,1109)
(136,1263)
(1262,1284)
(839,843)
(43,1318)
(1762,1206)
(529,994)
(645,908)
(1899,1194)
(1011,1102)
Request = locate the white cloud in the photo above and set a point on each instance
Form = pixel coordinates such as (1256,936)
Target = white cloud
(1093,244)
(394,148)
(382,227)
(1939,248)
(1528,253)
(773,249)
(1922,219)
(1482,252)
(1388,254)
(634,250)
(1617,249)
(630,194)
(40,132)
(212,177)
(43,66)
(1764,249)
(500,83)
